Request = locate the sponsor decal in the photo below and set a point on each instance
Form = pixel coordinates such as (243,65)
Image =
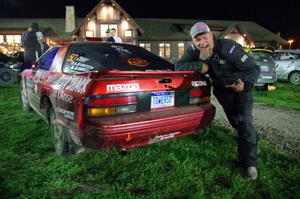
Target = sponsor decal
(60,95)
(75,84)
(81,67)
(72,57)
(138,62)
(163,137)
(122,87)
(66,113)
(121,49)
(244,58)
(199,83)
(29,82)
(232,49)
(266,77)
(78,63)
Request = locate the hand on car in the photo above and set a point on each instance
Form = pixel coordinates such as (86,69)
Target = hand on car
(237,86)
(204,68)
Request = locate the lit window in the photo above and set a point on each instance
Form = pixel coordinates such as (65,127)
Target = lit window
(89,33)
(165,50)
(180,49)
(128,33)
(91,25)
(17,39)
(104,27)
(10,39)
(1,39)
(147,46)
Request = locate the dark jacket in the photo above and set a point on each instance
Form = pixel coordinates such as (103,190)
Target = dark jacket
(228,63)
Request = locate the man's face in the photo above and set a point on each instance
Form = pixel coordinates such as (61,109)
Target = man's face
(205,43)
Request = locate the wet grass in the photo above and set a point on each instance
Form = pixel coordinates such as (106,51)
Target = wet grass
(195,166)
(286,96)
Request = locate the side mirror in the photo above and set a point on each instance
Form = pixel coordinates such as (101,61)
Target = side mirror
(34,65)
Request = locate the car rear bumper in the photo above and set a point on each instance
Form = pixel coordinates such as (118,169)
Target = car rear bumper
(266,79)
(132,130)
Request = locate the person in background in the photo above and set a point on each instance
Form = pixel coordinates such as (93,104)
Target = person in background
(44,45)
(30,43)
(233,74)
(112,36)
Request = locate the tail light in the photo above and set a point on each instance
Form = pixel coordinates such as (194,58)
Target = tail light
(112,105)
(198,96)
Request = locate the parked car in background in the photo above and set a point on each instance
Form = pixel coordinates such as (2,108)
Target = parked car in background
(103,95)
(264,60)
(288,65)
(7,75)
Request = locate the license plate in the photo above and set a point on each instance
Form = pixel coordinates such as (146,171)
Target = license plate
(162,99)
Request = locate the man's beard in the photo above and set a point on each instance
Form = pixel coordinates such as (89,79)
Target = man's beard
(206,55)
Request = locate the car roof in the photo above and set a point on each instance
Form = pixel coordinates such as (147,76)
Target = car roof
(288,50)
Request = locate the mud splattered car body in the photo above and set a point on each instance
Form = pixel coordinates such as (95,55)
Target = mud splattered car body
(103,95)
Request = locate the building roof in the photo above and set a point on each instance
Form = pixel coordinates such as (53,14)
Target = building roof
(53,27)
(92,12)
(154,29)
(176,29)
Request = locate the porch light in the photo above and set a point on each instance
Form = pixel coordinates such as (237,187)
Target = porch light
(290,43)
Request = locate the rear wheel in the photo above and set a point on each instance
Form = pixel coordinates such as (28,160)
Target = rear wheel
(295,78)
(24,97)
(65,141)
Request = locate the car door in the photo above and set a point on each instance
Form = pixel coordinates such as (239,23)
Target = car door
(40,73)
(282,59)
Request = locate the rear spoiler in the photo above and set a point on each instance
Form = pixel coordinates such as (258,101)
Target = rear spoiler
(143,73)
(135,73)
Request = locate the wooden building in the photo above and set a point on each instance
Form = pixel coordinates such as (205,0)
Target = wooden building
(167,38)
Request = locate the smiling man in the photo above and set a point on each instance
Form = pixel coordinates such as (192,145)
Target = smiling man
(233,74)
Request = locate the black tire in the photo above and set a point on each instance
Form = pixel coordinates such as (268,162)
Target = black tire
(24,97)
(7,77)
(294,78)
(66,143)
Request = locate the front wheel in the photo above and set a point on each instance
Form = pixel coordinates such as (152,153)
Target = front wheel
(7,77)
(295,78)
(65,141)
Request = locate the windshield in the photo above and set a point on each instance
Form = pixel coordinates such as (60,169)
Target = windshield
(261,55)
(85,57)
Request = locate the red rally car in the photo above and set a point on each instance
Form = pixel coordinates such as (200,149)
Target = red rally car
(104,95)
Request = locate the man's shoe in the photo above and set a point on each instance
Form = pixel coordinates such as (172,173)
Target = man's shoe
(252,173)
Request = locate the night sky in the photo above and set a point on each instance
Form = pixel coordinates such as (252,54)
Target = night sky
(282,16)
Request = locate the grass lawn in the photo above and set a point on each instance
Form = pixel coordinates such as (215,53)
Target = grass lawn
(286,95)
(195,166)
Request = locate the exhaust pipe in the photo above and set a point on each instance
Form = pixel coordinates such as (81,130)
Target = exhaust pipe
(123,151)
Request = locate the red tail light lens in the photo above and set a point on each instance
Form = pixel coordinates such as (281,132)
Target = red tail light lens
(113,101)
(112,105)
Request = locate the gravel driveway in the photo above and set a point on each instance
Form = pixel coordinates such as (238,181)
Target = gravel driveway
(281,127)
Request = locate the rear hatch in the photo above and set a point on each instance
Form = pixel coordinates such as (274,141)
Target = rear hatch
(129,79)
(116,93)
(264,60)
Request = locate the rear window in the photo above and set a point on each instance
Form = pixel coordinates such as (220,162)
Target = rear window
(105,56)
(261,55)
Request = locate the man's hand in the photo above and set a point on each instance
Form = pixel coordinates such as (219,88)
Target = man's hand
(237,86)
(204,68)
